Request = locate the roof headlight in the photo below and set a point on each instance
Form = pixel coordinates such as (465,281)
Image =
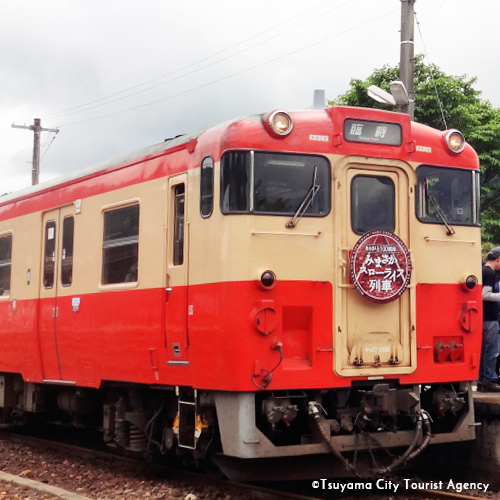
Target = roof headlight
(278,123)
(455,141)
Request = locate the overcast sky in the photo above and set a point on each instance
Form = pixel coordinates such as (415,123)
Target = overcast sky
(118,75)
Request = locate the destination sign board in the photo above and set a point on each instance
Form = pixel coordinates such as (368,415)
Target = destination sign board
(387,134)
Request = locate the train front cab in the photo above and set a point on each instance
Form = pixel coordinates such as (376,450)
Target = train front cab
(381,365)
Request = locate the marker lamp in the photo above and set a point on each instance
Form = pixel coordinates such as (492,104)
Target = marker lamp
(455,141)
(278,123)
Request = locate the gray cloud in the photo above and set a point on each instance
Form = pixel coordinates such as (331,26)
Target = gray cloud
(205,62)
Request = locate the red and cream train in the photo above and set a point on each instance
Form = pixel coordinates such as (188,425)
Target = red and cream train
(282,286)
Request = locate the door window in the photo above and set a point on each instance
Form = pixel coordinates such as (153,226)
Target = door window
(5,264)
(178,253)
(49,254)
(67,251)
(372,203)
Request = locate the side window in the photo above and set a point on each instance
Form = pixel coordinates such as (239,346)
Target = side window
(120,251)
(5,263)
(49,254)
(236,169)
(447,196)
(178,253)
(372,204)
(207,187)
(67,251)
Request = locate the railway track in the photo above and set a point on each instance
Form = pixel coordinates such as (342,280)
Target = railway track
(186,482)
(123,474)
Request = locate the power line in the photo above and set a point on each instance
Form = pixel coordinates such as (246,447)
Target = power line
(432,75)
(233,74)
(47,146)
(109,99)
(15,156)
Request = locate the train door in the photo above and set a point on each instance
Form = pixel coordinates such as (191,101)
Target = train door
(177,308)
(57,252)
(373,335)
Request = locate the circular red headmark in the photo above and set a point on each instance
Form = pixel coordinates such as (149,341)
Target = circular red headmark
(380,266)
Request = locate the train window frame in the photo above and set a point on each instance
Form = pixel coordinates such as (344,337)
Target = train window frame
(473,197)
(248,198)
(5,263)
(179,223)
(50,238)
(375,226)
(67,250)
(243,200)
(128,274)
(207,187)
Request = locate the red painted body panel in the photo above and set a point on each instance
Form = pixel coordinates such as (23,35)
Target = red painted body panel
(227,348)
(121,336)
(439,310)
(20,351)
(247,134)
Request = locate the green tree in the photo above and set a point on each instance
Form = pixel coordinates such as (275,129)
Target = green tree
(459,106)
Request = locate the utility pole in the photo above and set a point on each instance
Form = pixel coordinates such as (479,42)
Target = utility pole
(37,129)
(407,57)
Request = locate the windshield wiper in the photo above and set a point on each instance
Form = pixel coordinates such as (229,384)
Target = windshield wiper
(306,202)
(441,215)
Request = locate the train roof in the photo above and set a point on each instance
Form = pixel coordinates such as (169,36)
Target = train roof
(128,158)
(248,132)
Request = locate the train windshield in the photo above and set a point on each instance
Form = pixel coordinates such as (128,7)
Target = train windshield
(274,184)
(447,196)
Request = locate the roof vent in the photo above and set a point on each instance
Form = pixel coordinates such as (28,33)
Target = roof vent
(319,99)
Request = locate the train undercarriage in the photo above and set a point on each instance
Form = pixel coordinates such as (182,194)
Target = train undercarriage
(257,435)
